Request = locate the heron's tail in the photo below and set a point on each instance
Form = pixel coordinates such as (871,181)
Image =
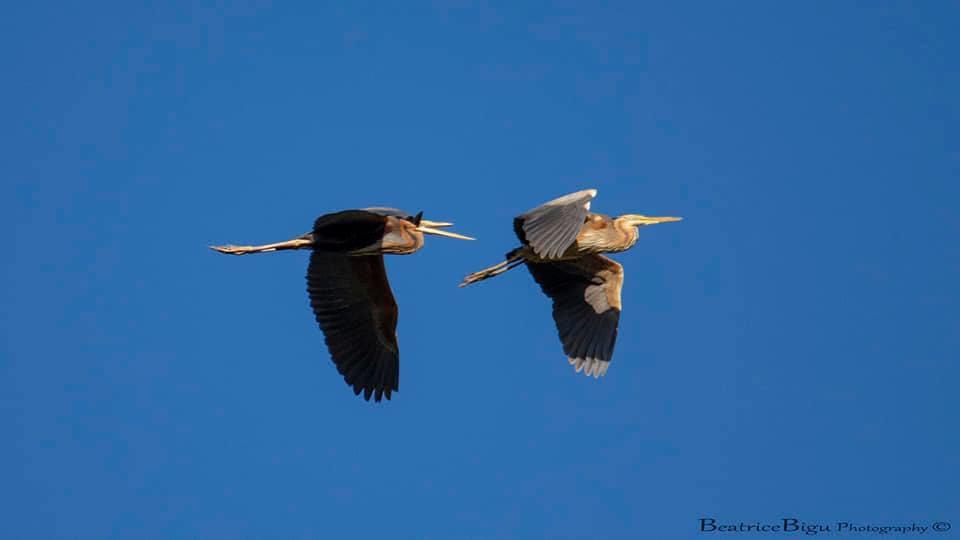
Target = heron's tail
(514,258)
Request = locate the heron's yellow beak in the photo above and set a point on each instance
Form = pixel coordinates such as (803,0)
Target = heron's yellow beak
(637,219)
(433,227)
(435,224)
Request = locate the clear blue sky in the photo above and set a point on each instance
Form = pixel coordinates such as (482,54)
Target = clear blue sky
(790,349)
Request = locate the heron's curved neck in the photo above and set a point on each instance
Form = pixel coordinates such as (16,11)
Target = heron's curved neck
(403,242)
(629,232)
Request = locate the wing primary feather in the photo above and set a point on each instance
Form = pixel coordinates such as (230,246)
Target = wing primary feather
(551,227)
(354,307)
(585,294)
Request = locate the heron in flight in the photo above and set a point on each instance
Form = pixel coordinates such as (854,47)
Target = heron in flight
(349,291)
(562,246)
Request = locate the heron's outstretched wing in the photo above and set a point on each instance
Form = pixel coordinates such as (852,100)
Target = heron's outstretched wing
(551,228)
(586,307)
(355,308)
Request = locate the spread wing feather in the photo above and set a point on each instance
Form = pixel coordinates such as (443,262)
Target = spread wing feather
(550,228)
(586,307)
(355,308)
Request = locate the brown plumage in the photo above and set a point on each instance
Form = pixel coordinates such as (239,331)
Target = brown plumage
(349,291)
(562,246)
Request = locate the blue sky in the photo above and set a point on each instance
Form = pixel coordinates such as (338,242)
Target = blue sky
(789,349)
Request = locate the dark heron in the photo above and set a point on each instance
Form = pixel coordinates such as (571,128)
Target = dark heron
(562,245)
(349,291)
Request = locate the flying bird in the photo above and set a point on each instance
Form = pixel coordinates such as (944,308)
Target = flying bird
(349,292)
(562,246)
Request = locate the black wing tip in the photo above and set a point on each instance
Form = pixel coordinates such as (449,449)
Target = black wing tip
(375,392)
(375,380)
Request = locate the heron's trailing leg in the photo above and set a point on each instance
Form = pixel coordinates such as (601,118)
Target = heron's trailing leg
(301,242)
(514,258)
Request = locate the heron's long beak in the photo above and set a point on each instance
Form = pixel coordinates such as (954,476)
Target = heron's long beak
(637,219)
(435,224)
(425,227)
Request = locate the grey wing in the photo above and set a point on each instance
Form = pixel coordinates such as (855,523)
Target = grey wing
(550,228)
(586,307)
(355,308)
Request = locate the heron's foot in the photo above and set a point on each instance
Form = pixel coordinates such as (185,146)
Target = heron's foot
(474,277)
(494,270)
(230,249)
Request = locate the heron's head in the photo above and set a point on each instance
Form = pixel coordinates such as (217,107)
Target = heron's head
(425,226)
(403,234)
(638,220)
(406,234)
